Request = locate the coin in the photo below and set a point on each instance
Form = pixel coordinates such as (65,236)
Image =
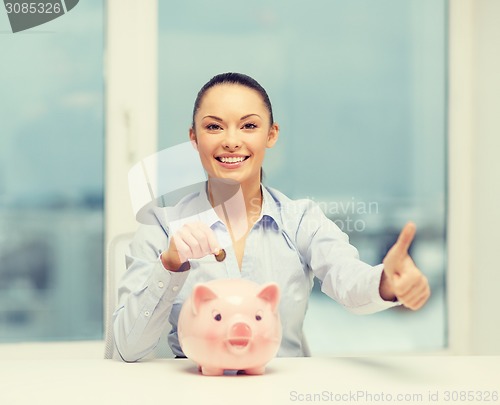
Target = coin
(221,255)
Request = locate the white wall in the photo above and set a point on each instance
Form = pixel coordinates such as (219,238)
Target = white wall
(474,177)
(486,181)
(131,81)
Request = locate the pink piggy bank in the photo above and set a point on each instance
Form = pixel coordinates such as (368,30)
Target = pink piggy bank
(231,324)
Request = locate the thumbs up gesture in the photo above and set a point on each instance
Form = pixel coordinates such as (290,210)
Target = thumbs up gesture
(401,278)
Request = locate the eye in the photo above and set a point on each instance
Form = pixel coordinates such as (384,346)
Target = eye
(213,127)
(217,316)
(258,316)
(249,125)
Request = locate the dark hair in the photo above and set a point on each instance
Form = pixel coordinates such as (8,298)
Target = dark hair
(233,78)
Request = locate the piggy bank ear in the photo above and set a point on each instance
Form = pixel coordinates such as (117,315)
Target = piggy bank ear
(270,293)
(201,294)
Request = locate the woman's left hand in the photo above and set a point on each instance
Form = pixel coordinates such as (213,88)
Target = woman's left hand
(401,278)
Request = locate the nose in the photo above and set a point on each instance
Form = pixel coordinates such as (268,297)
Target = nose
(231,140)
(241,329)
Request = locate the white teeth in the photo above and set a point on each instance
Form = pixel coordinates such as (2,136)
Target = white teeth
(231,159)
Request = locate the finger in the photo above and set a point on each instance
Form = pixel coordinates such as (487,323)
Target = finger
(183,250)
(213,245)
(415,292)
(401,287)
(405,238)
(201,246)
(424,299)
(206,241)
(419,293)
(406,281)
(418,302)
(189,239)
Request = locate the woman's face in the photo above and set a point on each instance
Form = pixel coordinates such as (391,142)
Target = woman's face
(232,131)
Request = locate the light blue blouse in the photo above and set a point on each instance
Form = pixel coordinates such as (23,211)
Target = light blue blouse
(292,242)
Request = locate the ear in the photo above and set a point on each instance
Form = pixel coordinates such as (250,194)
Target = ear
(273,135)
(271,293)
(201,294)
(193,139)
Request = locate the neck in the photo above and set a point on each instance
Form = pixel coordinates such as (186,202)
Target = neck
(237,204)
(222,191)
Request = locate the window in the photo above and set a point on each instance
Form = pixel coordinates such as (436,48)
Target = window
(51,178)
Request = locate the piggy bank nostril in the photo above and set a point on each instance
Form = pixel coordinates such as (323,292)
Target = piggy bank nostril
(241,330)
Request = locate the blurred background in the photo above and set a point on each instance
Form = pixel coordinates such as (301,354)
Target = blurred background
(52,178)
(359,88)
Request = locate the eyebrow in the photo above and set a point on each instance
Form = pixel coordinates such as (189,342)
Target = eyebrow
(249,115)
(221,120)
(213,117)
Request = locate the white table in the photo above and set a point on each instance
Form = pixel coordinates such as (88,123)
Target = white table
(75,373)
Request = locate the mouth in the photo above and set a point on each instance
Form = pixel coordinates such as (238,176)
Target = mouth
(231,160)
(238,344)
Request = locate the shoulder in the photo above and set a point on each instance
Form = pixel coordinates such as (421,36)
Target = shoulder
(290,208)
(187,206)
(160,215)
(304,222)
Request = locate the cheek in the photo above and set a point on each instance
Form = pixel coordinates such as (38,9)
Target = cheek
(265,326)
(205,148)
(259,146)
(214,333)
(206,151)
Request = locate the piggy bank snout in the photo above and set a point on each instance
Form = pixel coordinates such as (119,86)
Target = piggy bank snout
(241,330)
(239,338)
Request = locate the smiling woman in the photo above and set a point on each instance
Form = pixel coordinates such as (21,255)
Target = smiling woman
(275,239)
(232,127)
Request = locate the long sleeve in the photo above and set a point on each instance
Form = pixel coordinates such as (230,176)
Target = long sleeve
(145,295)
(345,278)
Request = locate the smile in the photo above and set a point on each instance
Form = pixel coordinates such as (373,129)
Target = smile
(236,159)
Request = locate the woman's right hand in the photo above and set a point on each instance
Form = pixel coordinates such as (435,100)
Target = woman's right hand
(192,241)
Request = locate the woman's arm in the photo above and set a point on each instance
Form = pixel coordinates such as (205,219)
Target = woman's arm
(156,271)
(145,295)
(359,287)
(335,262)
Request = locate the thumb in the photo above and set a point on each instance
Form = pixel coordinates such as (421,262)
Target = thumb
(405,238)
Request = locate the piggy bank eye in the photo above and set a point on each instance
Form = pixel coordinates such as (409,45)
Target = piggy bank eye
(217,316)
(258,316)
